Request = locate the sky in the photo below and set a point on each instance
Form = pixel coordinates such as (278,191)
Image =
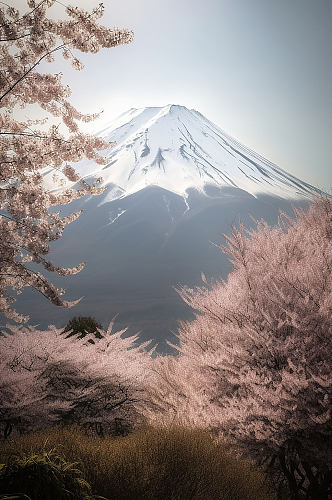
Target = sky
(259,69)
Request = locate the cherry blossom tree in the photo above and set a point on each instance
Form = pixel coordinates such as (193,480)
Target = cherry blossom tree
(27,225)
(47,378)
(255,366)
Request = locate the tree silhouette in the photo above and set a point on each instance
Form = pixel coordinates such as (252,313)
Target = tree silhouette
(83,325)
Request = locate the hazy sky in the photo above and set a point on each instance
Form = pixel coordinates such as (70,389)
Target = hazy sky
(260,69)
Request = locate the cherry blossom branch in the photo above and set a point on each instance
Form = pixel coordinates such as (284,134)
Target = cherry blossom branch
(36,136)
(15,38)
(27,14)
(31,69)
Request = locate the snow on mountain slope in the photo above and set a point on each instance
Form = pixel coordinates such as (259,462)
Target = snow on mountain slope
(176,148)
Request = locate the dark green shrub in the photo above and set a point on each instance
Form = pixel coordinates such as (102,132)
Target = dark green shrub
(43,476)
(83,325)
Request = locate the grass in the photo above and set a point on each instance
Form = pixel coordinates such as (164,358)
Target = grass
(151,464)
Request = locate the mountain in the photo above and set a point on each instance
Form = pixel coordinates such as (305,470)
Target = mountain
(177,149)
(175,183)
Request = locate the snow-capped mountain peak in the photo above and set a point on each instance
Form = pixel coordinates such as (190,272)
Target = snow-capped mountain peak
(177,149)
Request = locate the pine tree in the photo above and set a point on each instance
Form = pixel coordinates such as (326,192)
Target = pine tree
(83,325)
